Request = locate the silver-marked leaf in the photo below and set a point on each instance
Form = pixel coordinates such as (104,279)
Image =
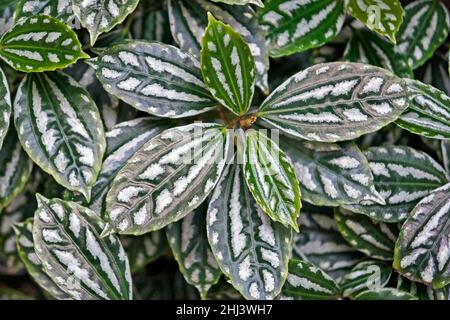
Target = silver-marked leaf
(320,243)
(60,128)
(168,177)
(293,26)
(369,48)
(422,251)
(101,16)
(373,238)
(228,66)
(59,9)
(331,174)
(335,102)
(422,291)
(25,247)
(403,176)
(385,294)
(270,176)
(428,113)
(242,2)
(40,43)
(5,106)
(7,10)
(425,27)
(382,16)
(155,78)
(251,250)
(305,281)
(188,21)
(189,243)
(15,169)
(67,240)
(365,275)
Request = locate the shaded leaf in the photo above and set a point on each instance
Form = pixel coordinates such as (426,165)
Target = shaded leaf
(59,9)
(5,106)
(422,291)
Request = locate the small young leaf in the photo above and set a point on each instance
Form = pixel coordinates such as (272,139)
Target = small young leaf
(295,26)
(305,281)
(335,102)
(228,66)
(385,294)
(252,251)
(40,43)
(155,78)
(422,251)
(59,9)
(5,106)
(271,178)
(67,241)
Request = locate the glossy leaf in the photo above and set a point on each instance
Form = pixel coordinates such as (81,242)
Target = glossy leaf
(335,102)
(155,78)
(5,106)
(168,177)
(294,26)
(59,9)
(40,43)
(385,294)
(251,250)
(60,128)
(228,66)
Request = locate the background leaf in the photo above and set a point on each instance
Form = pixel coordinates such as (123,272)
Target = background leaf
(5,106)
(59,9)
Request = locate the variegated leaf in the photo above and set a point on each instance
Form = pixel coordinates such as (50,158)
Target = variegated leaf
(369,48)
(101,16)
(40,43)
(7,10)
(425,27)
(168,177)
(296,25)
(15,169)
(270,176)
(365,275)
(422,251)
(403,176)
(382,16)
(67,240)
(155,78)
(189,243)
(331,174)
(5,106)
(33,264)
(228,66)
(373,238)
(59,9)
(188,21)
(305,281)
(242,2)
(335,102)
(385,294)
(428,113)
(320,243)
(423,292)
(60,128)
(251,250)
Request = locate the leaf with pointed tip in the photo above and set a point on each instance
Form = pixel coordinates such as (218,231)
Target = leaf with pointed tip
(5,106)
(331,174)
(422,251)
(7,10)
(155,78)
(320,243)
(369,48)
(251,250)
(365,275)
(67,241)
(60,128)
(305,281)
(271,178)
(385,294)
(168,177)
(188,21)
(295,26)
(425,27)
(59,9)
(403,176)
(25,247)
(101,16)
(242,2)
(335,102)
(422,291)
(428,113)
(189,243)
(228,66)
(40,43)
(373,238)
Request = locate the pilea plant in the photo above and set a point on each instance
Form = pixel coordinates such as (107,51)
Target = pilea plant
(224,149)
